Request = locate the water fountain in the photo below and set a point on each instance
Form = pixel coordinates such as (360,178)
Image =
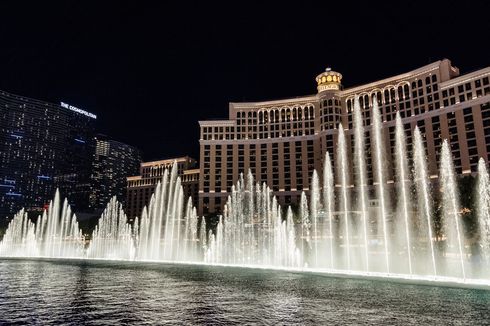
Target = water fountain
(484,210)
(54,234)
(337,229)
(253,232)
(113,236)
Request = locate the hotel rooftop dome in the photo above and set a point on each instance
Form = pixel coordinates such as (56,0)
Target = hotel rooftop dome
(328,81)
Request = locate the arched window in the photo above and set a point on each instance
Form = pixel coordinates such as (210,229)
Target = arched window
(392,95)
(406,91)
(366,101)
(400,92)
(387,96)
(379,98)
(419,83)
(427,80)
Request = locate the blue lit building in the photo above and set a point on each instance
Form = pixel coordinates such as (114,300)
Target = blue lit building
(43,146)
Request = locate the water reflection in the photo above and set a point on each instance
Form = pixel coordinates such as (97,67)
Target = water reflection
(53,293)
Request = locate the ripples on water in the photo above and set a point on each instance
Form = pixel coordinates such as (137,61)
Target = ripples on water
(102,293)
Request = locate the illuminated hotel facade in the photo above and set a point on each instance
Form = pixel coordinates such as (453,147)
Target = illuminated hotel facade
(141,187)
(283,141)
(112,163)
(43,146)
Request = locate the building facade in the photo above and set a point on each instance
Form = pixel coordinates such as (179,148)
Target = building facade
(112,163)
(43,146)
(281,142)
(141,187)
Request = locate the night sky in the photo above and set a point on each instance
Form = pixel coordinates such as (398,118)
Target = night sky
(150,70)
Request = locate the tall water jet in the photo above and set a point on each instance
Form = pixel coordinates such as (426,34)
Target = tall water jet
(328,201)
(379,159)
(162,225)
(342,167)
(361,175)
(483,209)
(314,200)
(113,236)
(450,204)
(305,227)
(424,200)
(401,159)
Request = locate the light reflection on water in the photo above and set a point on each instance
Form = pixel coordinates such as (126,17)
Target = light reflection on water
(107,293)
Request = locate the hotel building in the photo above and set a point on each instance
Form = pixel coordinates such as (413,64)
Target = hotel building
(283,141)
(43,146)
(113,162)
(141,187)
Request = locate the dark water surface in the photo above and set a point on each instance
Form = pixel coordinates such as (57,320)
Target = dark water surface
(114,293)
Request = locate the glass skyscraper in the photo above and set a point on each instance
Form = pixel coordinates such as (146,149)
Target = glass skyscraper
(113,162)
(43,146)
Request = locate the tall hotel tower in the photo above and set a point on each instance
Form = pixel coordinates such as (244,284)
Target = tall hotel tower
(283,141)
(43,146)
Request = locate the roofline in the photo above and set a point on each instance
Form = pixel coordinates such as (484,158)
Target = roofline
(305,98)
(463,78)
(167,161)
(412,73)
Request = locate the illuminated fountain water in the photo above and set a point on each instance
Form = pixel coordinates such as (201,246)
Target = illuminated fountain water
(483,210)
(336,227)
(342,167)
(253,231)
(451,217)
(54,234)
(113,236)
(403,189)
(329,205)
(423,220)
(362,186)
(379,170)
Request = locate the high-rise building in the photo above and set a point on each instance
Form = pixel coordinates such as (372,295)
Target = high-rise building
(283,141)
(113,162)
(141,187)
(43,146)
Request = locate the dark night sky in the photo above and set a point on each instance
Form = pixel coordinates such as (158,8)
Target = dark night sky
(150,70)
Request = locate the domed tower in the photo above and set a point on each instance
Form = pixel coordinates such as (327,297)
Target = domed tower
(328,81)
(330,105)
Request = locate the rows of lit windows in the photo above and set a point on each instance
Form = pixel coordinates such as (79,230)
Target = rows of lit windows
(330,113)
(266,123)
(261,158)
(485,113)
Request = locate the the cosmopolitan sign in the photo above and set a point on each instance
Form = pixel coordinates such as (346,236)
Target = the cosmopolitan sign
(74,108)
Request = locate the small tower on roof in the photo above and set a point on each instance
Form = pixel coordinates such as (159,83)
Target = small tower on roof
(328,81)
